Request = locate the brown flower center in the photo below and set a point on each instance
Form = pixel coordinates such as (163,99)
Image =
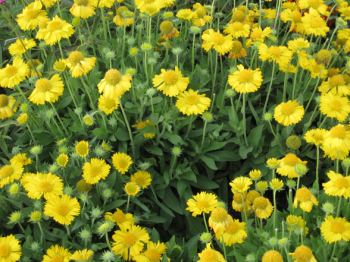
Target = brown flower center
(236,47)
(43,85)
(170,77)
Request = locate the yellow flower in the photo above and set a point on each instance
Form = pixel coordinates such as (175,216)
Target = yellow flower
(22,159)
(119,19)
(78,64)
(167,30)
(82,255)
(9,173)
(272,256)
(334,154)
(240,184)
(335,85)
(345,11)
(315,5)
(142,124)
(287,165)
(14,74)
(335,106)
(31,71)
(289,113)
(95,170)
(82,8)
(153,253)
(315,69)
(335,229)
(201,17)
(202,202)
(219,221)
(108,104)
(60,65)
(258,34)
(315,136)
(47,90)
(10,249)
(186,14)
(124,221)
(142,178)
(55,30)
(46,185)
(82,148)
(338,138)
(305,198)
(22,118)
(261,186)
(129,243)
(6,106)
(237,51)
(235,233)
(262,207)
(104,3)
(252,194)
(298,44)
(191,103)
(293,16)
(237,202)
(237,29)
(62,160)
(114,84)
(255,174)
(297,222)
(170,82)
(121,162)
(314,24)
(217,41)
(62,209)
(29,18)
(57,253)
(245,80)
(338,185)
(209,254)
(17,48)
(132,189)
(276,184)
(279,54)
(303,254)
(273,163)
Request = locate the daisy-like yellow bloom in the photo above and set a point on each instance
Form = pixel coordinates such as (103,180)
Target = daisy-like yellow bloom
(255,174)
(261,186)
(288,164)
(237,29)
(60,65)
(29,18)
(10,249)
(273,163)
(245,80)
(289,113)
(334,154)
(9,173)
(114,84)
(272,256)
(202,202)
(104,3)
(315,136)
(46,185)
(145,5)
(82,8)
(170,82)
(202,16)
(119,19)
(14,74)
(338,138)
(219,221)
(298,44)
(17,48)
(31,71)
(317,5)
(108,104)
(305,198)
(235,233)
(153,253)
(315,69)
(142,178)
(237,50)
(82,148)
(186,14)
(297,222)
(121,162)
(217,41)
(22,159)
(333,72)
(128,241)
(240,184)
(55,30)
(22,119)
(124,221)
(237,202)
(191,103)
(335,229)
(95,170)
(293,16)
(209,254)
(279,54)
(303,254)
(335,85)
(335,106)
(262,207)
(276,184)
(62,209)
(6,106)
(252,194)
(142,124)
(62,160)
(258,34)
(82,186)
(314,24)
(338,185)
(132,189)
(78,64)
(82,255)
(168,31)
(57,253)
(345,11)
(47,90)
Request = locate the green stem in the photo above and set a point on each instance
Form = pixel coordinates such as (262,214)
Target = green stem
(275,210)
(90,34)
(59,118)
(303,233)
(273,132)
(205,125)
(88,93)
(214,78)
(295,76)
(244,120)
(269,90)
(30,131)
(104,25)
(109,244)
(189,127)
(335,244)
(339,204)
(223,246)
(205,222)
(245,210)
(42,233)
(193,52)
(318,80)
(129,129)
(127,204)
(68,233)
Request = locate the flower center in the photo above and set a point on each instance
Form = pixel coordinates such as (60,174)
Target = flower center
(336,80)
(237,26)
(129,239)
(113,77)
(203,203)
(346,12)
(140,180)
(209,256)
(31,14)
(62,209)
(4,100)
(131,189)
(153,255)
(95,171)
(335,105)
(82,149)
(149,1)
(54,26)
(238,16)
(119,217)
(275,51)
(303,194)
(219,215)
(45,186)
(11,71)
(315,23)
(218,38)
(245,76)
(81,2)
(233,228)
(192,100)
(314,3)
(292,220)
(338,227)
(332,72)
(43,85)
(288,109)
(291,160)
(255,34)
(141,125)
(341,182)
(237,198)
(76,57)
(260,202)
(338,132)
(5,250)
(123,163)
(170,77)
(201,12)
(236,47)
(240,186)
(6,171)
(57,258)
(303,254)
(43,22)
(110,103)
(121,9)
(166,27)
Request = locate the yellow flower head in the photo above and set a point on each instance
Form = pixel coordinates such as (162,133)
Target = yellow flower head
(240,184)
(17,48)
(298,44)
(279,54)
(217,41)
(255,174)
(209,254)
(9,173)
(202,16)
(335,229)
(95,170)
(6,106)
(314,23)
(10,249)
(57,253)
(237,50)
(60,65)
(289,113)
(29,18)
(273,163)
(191,103)
(276,184)
(287,165)
(82,148)
(338,185)
(47,90)
(186,14)
(245,80)
(262,207)
(153,253)
(78,64)
(303,254)
(237,29)
(121,162)
(305,198)
(272,256)
(62,160)
(132,189)
(82,255)
(46,185)
(114,84)
(315,136)
(338,138)
(235,233)
(120,20)
(315,5)
(202,202)
(108,104)
(219,221)
(82,8)
(142,178)
(335,106)
(14,74)
(335,85)
(22,159)
(22,119)
(124,221)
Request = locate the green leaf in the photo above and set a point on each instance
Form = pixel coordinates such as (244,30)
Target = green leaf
(204,182)
(209,162)
(157,220)
(244,151)
(137,202)
(181,186)
(154,150)
(78,223)
(121,135)
(155,235)
(65,102)
(174,139)
(115,204)
(100,132)
(214,146)
(255,135)
(172,202)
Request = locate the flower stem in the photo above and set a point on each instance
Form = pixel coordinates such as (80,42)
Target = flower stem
(245,210)
(189,128)
(318,80)
(244,121)
(205,126)
(127,205)
(205,222)
(223,246)
(275,210)
(129,129)
(54,109)
(269,90)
